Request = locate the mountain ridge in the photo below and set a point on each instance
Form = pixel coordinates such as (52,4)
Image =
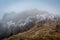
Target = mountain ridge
(13,24)
(41,31)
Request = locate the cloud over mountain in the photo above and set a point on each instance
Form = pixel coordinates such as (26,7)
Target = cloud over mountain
(13,23)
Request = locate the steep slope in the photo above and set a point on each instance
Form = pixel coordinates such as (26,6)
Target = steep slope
(44,30)
(29,20)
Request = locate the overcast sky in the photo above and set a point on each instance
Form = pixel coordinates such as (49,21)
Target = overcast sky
(52,6)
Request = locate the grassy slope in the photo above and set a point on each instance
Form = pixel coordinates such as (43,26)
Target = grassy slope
(41,31)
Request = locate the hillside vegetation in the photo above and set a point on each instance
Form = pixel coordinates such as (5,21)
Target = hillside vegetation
(42,30)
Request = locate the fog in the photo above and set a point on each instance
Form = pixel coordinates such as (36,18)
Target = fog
(13,23)
(19,6)
(20,16)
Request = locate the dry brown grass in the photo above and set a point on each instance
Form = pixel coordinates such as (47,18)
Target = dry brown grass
(46,31)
